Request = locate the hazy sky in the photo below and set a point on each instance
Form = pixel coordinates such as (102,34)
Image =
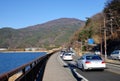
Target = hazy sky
(22,13)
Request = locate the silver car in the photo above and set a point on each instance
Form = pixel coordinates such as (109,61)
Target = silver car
(115,54)
(67,56)
(91,61)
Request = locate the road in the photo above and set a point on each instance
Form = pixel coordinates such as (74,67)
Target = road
(112,73)
(99,76)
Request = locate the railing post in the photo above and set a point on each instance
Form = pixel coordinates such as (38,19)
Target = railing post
(31,66)
(23,70)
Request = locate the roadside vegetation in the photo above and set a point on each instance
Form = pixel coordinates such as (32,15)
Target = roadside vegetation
(95,27)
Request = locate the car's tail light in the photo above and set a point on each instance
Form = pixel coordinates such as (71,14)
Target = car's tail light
(87,62)
(103,62)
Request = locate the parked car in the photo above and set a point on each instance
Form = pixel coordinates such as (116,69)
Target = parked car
(67,56)
(115,54)
(62,53)
(97,52)
(72,52)
(91,61)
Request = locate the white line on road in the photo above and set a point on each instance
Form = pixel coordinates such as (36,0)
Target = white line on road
(80,76)
(63,63)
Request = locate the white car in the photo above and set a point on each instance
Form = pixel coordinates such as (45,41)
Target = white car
(115,54)
(91,61)
(72,52)
(62,53)
(67,56)
(97,52)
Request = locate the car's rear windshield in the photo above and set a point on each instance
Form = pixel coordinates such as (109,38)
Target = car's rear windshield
(67,54)
(93,58)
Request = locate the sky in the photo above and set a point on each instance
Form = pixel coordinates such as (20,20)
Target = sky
(22,13)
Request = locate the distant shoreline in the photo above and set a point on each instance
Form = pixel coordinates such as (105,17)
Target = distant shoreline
(20,51)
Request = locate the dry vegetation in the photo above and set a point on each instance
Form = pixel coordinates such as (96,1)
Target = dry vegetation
(95,26)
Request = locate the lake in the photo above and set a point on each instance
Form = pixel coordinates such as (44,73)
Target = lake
(12,60)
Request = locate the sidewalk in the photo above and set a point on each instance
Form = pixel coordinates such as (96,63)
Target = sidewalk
(55,70)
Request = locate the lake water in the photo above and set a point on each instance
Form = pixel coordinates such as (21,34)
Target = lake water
(10,61)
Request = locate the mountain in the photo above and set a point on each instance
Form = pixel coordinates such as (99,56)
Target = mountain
(52,33)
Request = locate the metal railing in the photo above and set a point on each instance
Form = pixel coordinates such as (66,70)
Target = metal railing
(30,71)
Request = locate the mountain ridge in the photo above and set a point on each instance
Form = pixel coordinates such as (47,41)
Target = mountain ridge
(55,32)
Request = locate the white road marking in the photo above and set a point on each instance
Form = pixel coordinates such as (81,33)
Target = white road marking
(83,78)
(63,63)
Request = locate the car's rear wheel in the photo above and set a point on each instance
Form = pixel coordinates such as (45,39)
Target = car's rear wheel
(102,69)
(77,65)
(83,69)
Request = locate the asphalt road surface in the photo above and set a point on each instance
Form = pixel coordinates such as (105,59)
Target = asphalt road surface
(99,75)
(93,75)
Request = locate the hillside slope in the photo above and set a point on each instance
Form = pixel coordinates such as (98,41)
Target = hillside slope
(52,33)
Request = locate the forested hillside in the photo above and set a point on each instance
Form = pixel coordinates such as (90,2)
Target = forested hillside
(50,34)
(106,23)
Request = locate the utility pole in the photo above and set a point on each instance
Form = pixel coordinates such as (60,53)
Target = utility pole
(105,42)
(111,21)
(101,40)
(111,26)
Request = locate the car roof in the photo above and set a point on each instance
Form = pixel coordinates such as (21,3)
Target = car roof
(67,54)
(90,54)
(116,50)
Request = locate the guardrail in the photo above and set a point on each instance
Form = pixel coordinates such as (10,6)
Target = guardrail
(30,71)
